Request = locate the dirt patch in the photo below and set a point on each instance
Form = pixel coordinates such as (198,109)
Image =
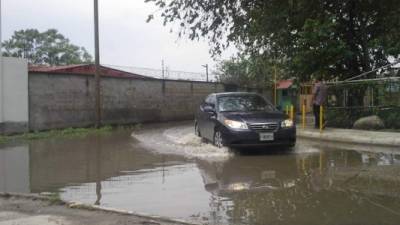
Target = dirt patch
(31,211)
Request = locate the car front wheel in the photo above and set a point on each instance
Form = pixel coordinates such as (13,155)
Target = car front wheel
(218,140)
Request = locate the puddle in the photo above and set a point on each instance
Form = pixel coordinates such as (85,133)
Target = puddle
(169,172)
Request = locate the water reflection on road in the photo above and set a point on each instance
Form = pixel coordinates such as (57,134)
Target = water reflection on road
(312,185)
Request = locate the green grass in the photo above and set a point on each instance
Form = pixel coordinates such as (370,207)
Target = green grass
(3,139)
(129,127)
(69,132)
(55,199)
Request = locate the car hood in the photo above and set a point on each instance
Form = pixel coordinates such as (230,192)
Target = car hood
(255,117)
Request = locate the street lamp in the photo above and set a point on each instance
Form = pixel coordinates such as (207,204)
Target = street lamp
(206,66)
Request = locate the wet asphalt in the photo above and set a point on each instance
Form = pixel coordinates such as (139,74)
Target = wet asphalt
(163,169)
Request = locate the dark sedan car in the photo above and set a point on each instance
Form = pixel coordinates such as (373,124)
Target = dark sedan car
(241,119)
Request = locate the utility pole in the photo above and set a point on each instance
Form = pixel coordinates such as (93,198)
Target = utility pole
(275,86)
(275,93)
(162,67)
(97,64)
(1,71)
(206,66)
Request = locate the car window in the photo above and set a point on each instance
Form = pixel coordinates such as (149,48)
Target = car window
(244,103)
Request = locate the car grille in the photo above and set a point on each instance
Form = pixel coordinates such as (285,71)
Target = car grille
(262,127)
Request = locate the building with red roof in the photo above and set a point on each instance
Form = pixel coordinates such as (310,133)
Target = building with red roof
(85,69)
(284,84)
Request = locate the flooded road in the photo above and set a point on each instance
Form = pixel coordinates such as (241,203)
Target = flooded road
(166,170)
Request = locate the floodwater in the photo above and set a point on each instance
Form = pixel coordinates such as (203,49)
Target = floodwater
(165,170)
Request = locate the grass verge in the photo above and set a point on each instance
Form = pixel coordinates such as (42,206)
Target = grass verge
(69,132)
(55,199)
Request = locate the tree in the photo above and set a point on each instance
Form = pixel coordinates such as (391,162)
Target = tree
(48,48)
(233,71)
(335,38)
(250,71)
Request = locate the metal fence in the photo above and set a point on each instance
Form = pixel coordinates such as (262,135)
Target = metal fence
(351,100)
(167,73)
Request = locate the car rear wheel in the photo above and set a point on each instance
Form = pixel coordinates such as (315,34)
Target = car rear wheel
(218,140)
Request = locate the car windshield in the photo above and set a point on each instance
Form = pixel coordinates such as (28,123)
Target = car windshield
(243,103)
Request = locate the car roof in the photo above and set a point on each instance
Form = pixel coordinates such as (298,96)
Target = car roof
(234,93)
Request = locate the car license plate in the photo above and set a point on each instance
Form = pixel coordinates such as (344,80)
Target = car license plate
(266,136)
(268,174)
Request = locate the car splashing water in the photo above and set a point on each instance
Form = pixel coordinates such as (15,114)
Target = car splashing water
(181,140)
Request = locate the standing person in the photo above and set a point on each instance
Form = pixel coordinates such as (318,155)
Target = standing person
(320,91)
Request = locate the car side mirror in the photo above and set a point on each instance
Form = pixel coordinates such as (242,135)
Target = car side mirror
(208,109)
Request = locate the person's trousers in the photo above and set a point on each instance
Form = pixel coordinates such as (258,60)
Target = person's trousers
(316,109)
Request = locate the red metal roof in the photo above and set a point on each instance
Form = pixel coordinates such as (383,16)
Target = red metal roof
(284,84)
(85,69)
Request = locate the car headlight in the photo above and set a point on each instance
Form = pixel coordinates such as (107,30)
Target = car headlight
(239,186)
(287,123)
(235,124)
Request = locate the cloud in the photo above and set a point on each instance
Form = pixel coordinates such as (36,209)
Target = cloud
(125,38)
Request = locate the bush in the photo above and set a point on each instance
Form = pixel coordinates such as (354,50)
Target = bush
(391,117)
(345,117)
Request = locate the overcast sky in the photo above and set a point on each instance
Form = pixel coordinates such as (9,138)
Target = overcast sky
(125,37)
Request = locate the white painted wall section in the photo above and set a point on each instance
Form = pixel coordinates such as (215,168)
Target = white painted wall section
(14,112)
(1,86)
(14,93)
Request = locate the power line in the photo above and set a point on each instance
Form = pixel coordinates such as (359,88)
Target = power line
(395,79)
(368,72)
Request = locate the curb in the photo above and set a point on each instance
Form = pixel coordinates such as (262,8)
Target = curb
(355,139)
(79,205)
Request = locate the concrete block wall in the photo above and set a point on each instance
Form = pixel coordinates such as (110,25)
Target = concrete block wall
(127,101)
(13,95)
(181,99)
(60,101)
(65,100)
